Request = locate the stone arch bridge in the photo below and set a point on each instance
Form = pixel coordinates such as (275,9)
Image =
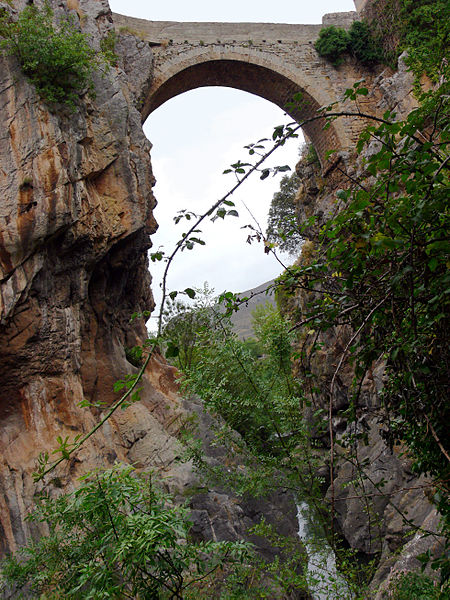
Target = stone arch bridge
(270,60)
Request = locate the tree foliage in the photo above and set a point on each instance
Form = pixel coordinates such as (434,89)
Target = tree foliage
(247,391)
(362,44)
(182,323)
(415,585)
(118,536)
(392,26)
(334,42)
(421,28)
(278,447)
(382,268)
(282,226)
(425,28)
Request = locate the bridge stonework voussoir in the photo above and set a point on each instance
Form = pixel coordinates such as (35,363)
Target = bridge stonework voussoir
(274,61)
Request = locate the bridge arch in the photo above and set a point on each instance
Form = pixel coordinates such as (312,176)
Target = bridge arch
(273,61)
(254,76)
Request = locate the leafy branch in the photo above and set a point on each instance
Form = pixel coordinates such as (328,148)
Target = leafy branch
(66,449)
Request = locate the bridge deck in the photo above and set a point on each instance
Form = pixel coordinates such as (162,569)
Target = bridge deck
(160,31)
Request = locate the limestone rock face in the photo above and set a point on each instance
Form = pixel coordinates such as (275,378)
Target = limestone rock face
(75,218)
(397,89)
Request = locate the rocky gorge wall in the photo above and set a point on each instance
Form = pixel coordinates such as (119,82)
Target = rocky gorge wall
(375,521)
(76,214)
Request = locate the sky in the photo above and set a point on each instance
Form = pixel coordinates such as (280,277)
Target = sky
(197,135)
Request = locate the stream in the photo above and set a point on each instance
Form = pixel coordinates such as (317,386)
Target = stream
(324,580)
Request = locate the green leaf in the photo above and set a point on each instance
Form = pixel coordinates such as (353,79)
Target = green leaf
(433,264)
(190,292)
(172,350)
(118,386)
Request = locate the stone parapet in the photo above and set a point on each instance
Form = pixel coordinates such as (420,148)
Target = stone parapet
(340,19)
(212,32)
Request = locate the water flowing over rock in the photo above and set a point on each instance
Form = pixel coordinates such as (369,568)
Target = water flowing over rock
(325,582)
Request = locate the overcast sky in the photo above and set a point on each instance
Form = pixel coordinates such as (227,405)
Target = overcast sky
(196,135)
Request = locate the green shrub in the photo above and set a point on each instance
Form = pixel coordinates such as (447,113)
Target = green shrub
(134,356)
(117,536)
(332,43)
(362,44)
(108,47)
(426,35)
(415,585)
(421,28)
(249,385)
(310,154)
(56,57)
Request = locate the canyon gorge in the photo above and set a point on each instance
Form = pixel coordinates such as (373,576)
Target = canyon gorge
(76,225)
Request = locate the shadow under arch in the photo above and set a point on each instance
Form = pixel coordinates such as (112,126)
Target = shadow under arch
(255,79)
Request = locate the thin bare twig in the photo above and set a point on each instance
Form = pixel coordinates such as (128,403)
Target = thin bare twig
(436,437)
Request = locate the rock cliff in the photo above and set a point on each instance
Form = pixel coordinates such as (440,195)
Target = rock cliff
(76,215)
(75,220)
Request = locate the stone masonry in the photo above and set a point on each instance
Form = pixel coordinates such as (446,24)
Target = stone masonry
(274,61)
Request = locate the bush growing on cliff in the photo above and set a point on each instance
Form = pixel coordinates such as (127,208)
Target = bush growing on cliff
(417,586)
(422,28)
(362,44)
(426,34)
(55,56)
(334,42)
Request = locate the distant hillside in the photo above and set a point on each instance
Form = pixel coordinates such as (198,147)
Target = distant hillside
(242,320)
